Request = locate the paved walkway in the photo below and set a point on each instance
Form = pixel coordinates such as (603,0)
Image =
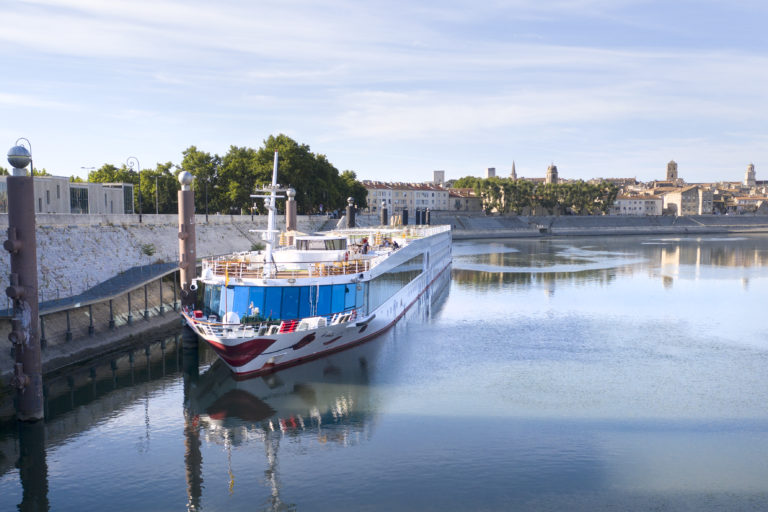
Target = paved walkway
(118,285)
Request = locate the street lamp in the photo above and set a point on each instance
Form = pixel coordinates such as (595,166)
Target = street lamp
(129,163)
(206,199)
(157,198)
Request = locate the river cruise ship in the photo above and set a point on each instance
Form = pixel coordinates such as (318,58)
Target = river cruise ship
(265,310)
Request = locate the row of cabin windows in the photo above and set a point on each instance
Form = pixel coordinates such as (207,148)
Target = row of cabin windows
(296,302)
(284,303)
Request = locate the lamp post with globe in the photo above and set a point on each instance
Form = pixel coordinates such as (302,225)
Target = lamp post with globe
(130,163)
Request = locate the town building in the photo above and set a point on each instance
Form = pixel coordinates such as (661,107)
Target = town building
(690,200)
(405,196)
(464,200)
(56,194)
(637,205)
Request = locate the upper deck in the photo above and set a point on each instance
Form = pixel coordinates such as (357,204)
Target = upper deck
(291,263)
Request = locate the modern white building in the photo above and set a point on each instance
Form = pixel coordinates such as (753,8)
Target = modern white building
(637,205)
(56,194)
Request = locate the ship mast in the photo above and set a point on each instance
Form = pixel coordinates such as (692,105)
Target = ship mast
(270,234)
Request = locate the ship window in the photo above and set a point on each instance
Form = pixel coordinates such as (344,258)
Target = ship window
(388,284)
(337,303)
(240,301)
(256,298)
(212,299)
(349,296)
(305,306)
(274,297)
(324,301)
(336,244)
(227,300)
(290,309)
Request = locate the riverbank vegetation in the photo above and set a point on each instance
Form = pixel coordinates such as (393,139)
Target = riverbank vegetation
(223,184)
(505,195)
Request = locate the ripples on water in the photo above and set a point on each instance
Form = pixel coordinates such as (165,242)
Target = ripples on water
(584,374)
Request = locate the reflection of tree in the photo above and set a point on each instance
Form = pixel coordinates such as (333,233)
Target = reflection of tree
(602,276)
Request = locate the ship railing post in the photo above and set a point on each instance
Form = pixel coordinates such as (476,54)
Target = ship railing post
(162,308)
(68,334)
(130,315)
(91,329)
(146,304)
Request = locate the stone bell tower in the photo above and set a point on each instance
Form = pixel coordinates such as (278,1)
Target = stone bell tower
(749,176)
(552,174)
(672,171)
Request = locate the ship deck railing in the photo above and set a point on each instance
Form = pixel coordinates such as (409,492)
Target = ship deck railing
(235,269)
(211,327)
(238,266)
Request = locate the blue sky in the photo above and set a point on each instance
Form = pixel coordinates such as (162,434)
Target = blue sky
(394,90)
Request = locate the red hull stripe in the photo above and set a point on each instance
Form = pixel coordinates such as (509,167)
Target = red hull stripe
(331,341)
(242,353)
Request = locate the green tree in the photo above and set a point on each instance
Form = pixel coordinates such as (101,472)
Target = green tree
(3,171)
(159,188)
(315,179)
(205,168)
(108,173)
(237,179)
(355,189)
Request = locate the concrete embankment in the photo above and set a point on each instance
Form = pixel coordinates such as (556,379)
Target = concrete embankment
(466,227)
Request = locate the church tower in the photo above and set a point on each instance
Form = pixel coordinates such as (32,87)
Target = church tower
(672,171)
(513,174)
(749,176)
(552,174)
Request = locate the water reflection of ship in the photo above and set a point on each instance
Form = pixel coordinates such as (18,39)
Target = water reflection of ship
(329,400)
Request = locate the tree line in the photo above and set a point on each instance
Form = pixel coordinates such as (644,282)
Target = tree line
(224,184)
(505,195)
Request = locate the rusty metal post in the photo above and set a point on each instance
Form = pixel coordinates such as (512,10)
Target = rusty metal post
(290,210)
(21,244)
(187,255)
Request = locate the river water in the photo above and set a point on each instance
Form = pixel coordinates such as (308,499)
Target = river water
(622,373)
